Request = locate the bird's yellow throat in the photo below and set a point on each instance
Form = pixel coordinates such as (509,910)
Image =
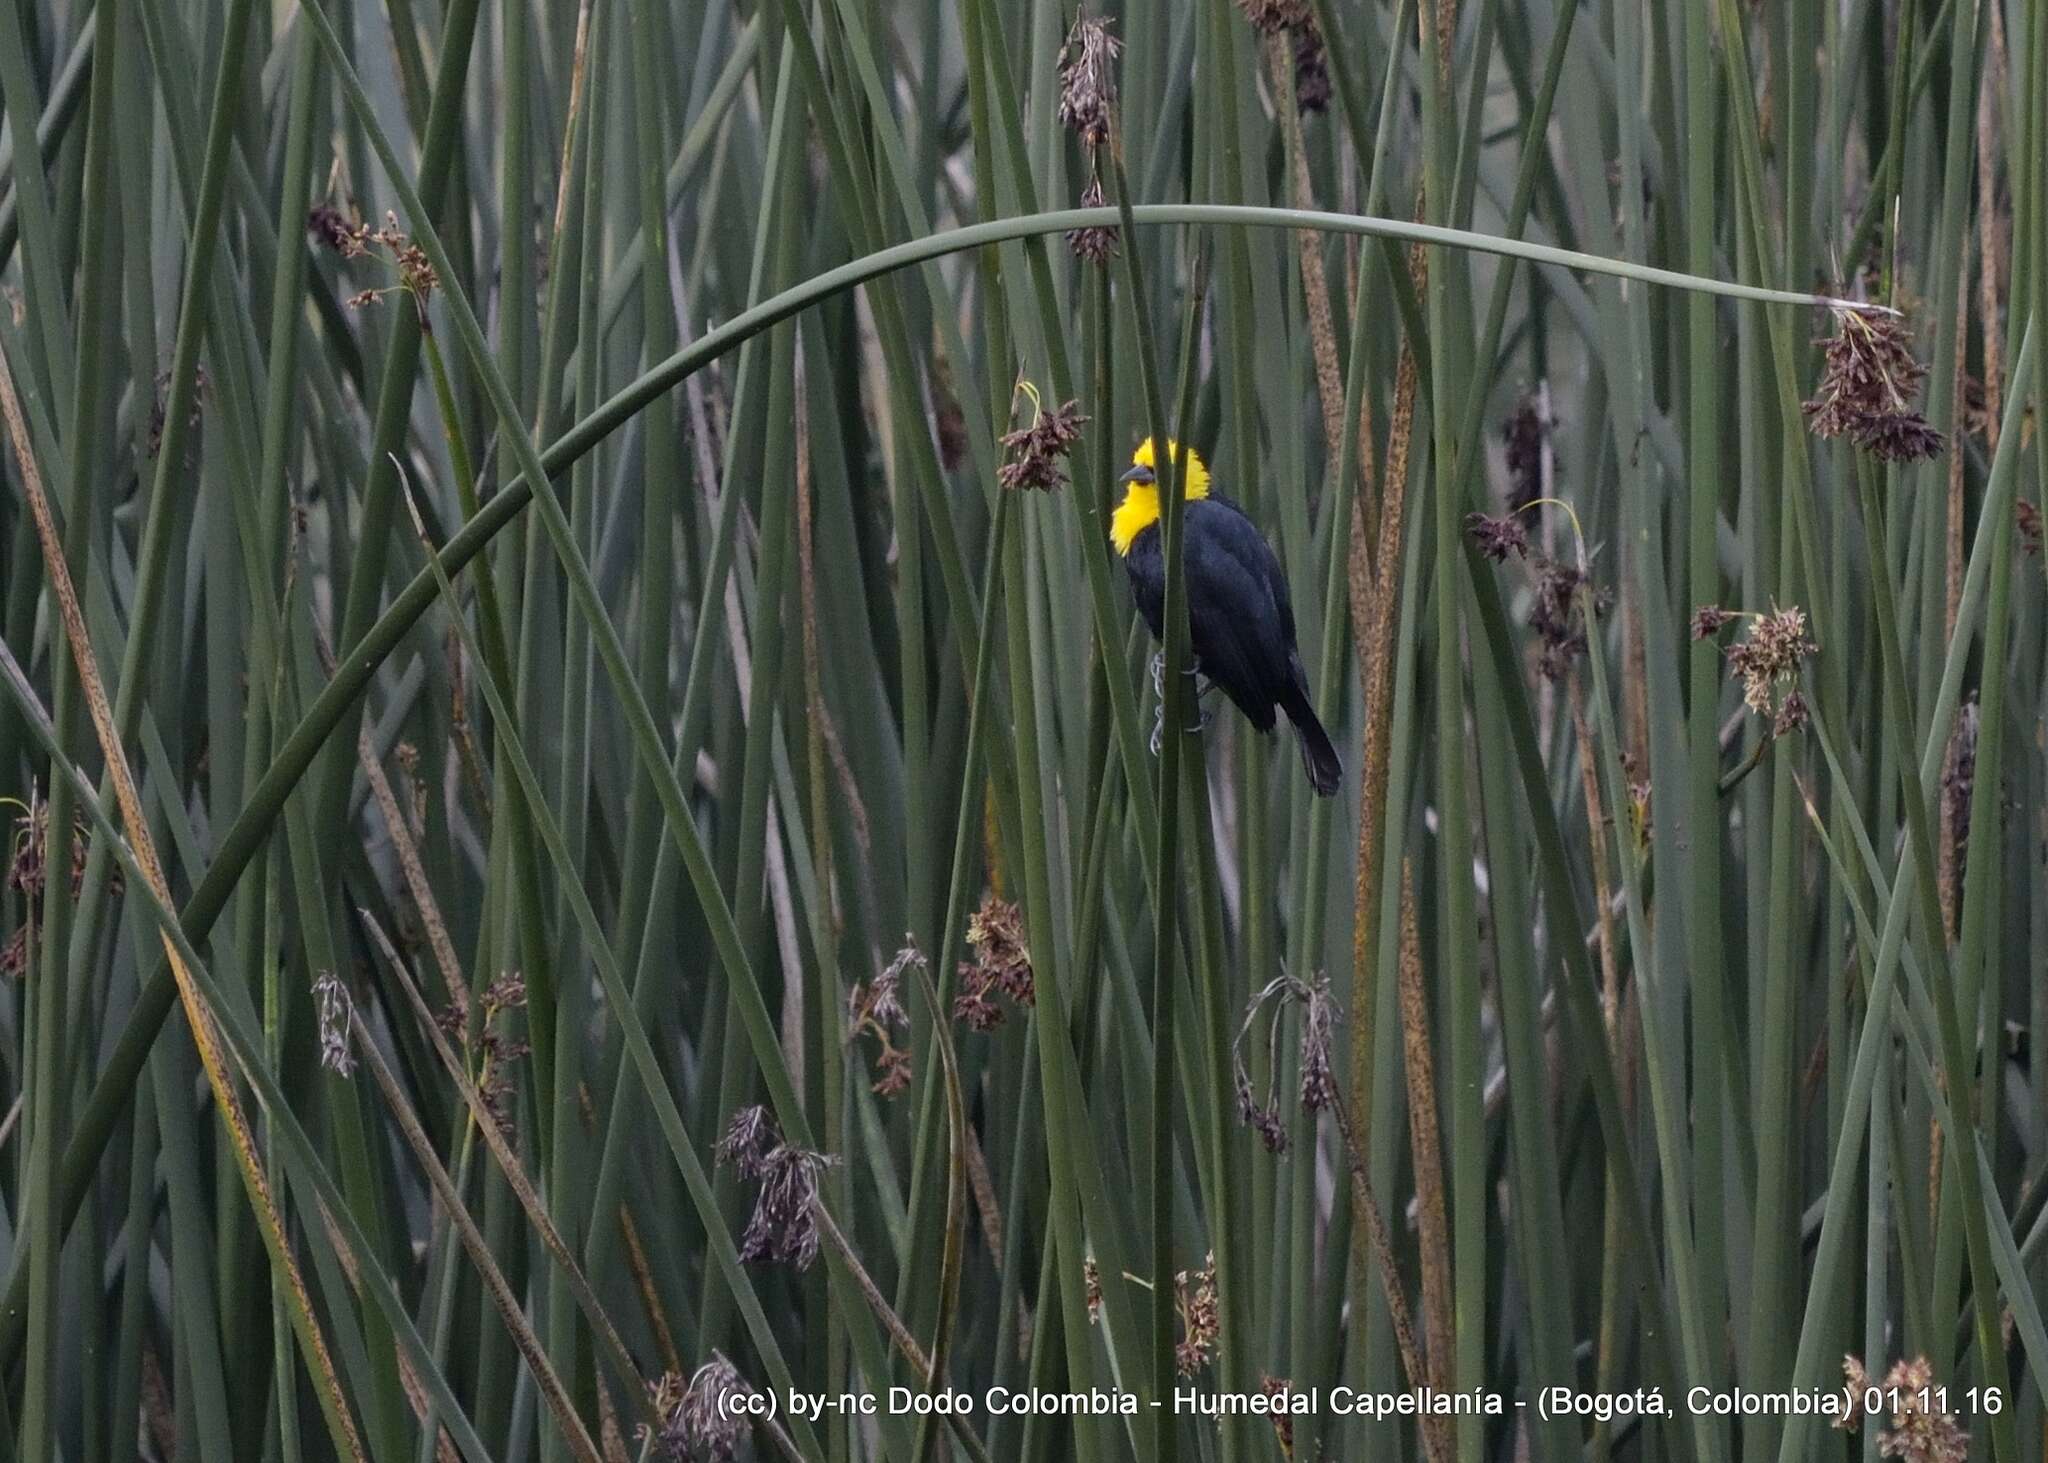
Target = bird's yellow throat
(1140,507)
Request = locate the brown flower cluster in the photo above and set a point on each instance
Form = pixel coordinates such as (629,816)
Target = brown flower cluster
(1920,1431)
(696,1422)
(1096,245)
(2028,520)
(876,1008)
(1868,380)
(1318,1085)
(1001,965)
(1709,620)
(1283,1421)
(497,1048)
(357,240)
(328,225)
(1201,1317)
(783,1228)
(28,875)
(1088,80)
(1087,108)
(1497,537)
(25,871)
(1035,452)
(1558,614)
(1766,661)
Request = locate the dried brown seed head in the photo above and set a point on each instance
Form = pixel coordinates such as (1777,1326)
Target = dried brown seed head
(1708,621)
(1088,80)
(698,1420)
(875,1008)
(1201,1319)
(1558,613)
(1096,245)
(1869,378)
(1001,964)
(1035,452)
(1496,538)
(1768,659)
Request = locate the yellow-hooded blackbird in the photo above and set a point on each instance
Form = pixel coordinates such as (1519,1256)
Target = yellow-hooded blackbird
(1240,624)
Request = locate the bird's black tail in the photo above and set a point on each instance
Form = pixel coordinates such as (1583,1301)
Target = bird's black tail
(1318,757)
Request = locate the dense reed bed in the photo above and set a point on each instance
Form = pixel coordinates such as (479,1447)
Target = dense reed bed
(588,850)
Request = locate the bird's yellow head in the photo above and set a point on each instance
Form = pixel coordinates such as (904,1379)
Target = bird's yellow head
(1140,507)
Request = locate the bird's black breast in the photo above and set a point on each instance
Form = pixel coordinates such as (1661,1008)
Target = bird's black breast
(1240,623)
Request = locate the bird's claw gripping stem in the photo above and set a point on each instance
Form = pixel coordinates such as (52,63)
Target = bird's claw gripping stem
(1202,688)
(1194,669)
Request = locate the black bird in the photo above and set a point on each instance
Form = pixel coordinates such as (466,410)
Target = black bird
(1240,623)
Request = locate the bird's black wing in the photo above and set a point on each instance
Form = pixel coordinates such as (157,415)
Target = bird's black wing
(1258,557)
(1238,616)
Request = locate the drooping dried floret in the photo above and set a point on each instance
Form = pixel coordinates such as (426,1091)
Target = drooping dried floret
(1558,613)
(876,1009)
(1318,1084)
(336,1010)
(1096,245)
(1201,1317)
(783,1227)
(1036,452)
(1088,80)
(698,1420)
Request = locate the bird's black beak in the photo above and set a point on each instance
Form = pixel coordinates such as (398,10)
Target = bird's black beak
(1140,474)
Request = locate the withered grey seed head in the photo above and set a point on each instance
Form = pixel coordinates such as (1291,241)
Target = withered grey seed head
(701,1423)
(749,1137)
(783,1228)
(336,1010)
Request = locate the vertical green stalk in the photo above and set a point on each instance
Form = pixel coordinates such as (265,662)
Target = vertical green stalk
(1458,912)
(46,1076)
(1706,975)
